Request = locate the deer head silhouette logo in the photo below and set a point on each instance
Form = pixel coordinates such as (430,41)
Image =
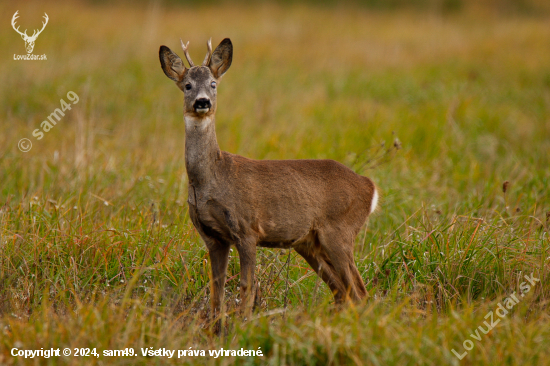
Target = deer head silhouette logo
(29,41)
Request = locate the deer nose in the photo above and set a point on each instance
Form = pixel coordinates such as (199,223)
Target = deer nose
(202,105)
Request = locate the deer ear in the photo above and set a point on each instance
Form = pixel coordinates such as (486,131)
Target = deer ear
(221,58)
(171,64)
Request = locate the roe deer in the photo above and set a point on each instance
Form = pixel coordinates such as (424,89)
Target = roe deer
(316,207)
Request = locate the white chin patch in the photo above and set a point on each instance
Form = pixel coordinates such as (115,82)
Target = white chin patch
(202,110)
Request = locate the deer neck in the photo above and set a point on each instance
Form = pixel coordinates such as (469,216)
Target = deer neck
(201,150)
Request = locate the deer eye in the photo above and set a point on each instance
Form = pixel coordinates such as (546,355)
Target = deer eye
(213,85)
(188,86)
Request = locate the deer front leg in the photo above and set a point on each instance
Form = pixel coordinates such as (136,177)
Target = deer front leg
(219,257)
(247,257)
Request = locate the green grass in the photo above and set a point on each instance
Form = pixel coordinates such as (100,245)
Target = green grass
(96,246)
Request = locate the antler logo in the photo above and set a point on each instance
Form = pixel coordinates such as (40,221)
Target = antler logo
(29,41)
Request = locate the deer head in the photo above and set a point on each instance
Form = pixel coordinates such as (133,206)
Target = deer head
(198,83)
(29,41)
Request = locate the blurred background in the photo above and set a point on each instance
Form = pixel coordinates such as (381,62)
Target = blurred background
(460,83)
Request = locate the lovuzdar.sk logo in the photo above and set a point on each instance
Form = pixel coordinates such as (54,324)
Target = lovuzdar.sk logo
(29,40)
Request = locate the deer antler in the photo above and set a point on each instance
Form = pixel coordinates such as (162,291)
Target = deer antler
(15,16)
(208,54)
(34,35)
(186,52)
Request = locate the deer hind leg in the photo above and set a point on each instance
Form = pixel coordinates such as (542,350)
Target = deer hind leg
(339,249)
(358,281)
(319,261)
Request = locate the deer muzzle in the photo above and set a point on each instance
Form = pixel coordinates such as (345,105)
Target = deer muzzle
(202,105)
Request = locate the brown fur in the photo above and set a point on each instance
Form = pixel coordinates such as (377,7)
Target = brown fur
(316,207)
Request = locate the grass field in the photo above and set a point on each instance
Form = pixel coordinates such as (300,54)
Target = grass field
(439,108)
